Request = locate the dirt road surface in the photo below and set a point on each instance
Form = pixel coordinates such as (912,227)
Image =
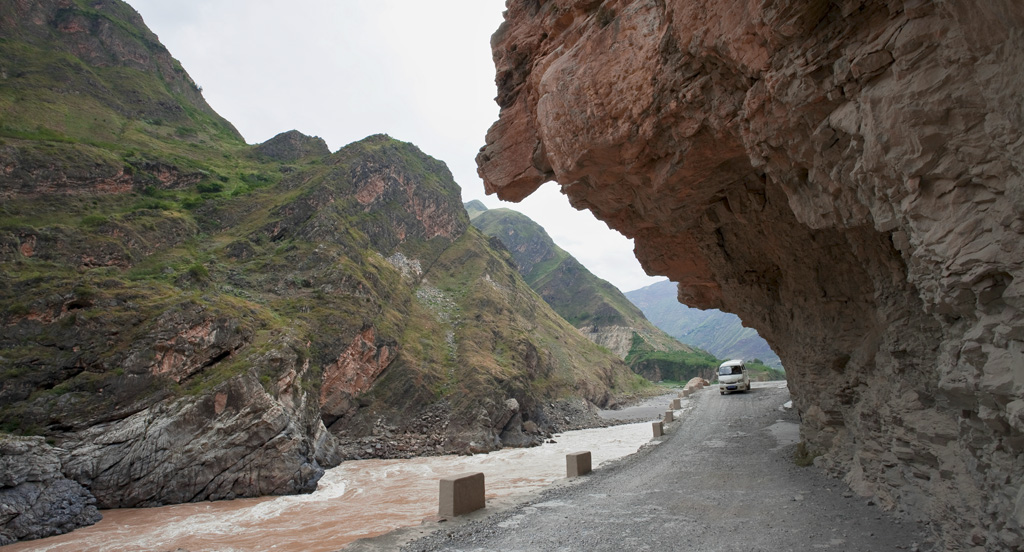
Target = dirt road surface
(722,479)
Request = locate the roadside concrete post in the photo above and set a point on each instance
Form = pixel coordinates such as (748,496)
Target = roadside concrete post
(677,404)
(669,416)
(659,429)
(461,494)
(577,464)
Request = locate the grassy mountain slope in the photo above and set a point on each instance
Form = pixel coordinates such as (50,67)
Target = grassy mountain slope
(474,208)
(721,334)
(226,309)
(590,303)
(578,295)
(90,101)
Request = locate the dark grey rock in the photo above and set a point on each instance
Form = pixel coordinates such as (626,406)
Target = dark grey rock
(36,500)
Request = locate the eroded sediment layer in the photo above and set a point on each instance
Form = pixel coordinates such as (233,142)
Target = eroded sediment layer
(846,176)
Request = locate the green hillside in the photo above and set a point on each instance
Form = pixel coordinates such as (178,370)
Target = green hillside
(474,208)
(590,303)
(226,309)
(574,292)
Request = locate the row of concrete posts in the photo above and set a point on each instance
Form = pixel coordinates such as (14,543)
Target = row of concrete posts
(692,386)
(462,494)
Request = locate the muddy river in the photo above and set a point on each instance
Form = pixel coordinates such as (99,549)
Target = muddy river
(355,500)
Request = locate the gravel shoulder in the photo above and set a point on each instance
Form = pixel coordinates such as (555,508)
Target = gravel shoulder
(650,408)
(721,479)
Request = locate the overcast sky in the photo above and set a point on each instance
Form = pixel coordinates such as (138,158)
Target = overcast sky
(418,71)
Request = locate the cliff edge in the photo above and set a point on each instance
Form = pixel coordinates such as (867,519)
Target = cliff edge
(845,176)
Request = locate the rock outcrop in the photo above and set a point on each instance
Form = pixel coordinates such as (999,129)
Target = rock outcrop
(36,500)
(845,176)
(236,441)
(293,146)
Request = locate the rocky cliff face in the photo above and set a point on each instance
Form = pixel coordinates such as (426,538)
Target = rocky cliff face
(845,176)
(36,500)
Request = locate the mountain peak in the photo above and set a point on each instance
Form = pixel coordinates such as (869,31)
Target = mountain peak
(474,208)
(293,146)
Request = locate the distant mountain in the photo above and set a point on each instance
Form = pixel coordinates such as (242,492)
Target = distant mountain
(588,302)
(720,333)
(475,207)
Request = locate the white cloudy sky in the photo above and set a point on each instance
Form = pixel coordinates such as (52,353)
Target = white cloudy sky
(345,69)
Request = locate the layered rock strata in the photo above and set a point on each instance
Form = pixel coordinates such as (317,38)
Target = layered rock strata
(846,176)
(36,500)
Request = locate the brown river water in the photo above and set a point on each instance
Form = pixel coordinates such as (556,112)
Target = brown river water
(355,500)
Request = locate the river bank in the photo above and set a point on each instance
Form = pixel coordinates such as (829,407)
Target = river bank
(356,500)
(723,478)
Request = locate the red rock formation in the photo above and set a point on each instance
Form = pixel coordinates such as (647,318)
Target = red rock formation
(355,371)
(846,176)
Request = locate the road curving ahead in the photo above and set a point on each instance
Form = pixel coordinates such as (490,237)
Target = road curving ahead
(722,479)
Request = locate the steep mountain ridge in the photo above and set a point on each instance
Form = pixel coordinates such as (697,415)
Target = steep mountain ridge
(593,305)
(186,317)
(597,308)
(91,102)
(846,177)
(719,333)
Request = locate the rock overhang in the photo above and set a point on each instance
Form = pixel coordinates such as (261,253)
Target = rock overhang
(845,176)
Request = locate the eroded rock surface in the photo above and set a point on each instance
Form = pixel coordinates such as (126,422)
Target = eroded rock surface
(846,176)
(238,441)
(36,500)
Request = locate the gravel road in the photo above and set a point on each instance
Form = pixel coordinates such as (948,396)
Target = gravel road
(722,479)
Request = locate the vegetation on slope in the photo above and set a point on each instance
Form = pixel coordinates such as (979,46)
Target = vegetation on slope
(91,100)
(586,301)
(290,260)
(720,333)
(577,295)
(681,366)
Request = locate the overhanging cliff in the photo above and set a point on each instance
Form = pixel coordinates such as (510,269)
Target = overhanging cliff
(846,176)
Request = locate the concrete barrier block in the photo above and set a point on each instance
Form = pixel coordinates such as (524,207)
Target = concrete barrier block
(461,494)
(677,404)
(669,416)
(577,464)
(659,429)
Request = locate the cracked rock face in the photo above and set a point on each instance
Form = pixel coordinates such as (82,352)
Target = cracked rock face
(36,500)
(239,441)
(845,176)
